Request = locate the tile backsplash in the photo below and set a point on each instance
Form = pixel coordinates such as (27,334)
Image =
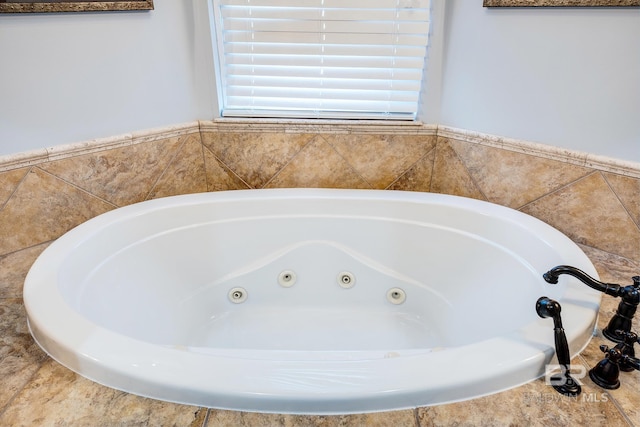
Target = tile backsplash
(43,195)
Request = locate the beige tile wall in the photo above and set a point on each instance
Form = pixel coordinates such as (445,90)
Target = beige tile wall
(43,197)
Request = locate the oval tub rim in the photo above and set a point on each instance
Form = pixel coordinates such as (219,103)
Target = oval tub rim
(387,396)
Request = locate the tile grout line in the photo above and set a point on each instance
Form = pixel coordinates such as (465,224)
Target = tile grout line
(416,417)
(204,162)
(355,170)
(631,261)
(562,187)
(26,383)
(226,167)
(171,161)
(75,186)
(413,165)
(469,174)
(15,190)
(604,176)
(288,162)
(205,422)
(26,248)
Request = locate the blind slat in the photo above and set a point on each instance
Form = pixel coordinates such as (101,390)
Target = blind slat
(339,14)
(318,26)
(327,61)
(325,38)
(312,82)
(320,104)
(325,72)
(322,93)
(326,49)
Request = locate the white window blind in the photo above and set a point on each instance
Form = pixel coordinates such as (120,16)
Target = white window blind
(321,58)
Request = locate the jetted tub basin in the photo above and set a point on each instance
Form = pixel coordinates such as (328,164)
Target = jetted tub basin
(308,301)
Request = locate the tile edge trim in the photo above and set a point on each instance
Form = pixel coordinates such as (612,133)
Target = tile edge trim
(59,152)
(594,161)
(38,156)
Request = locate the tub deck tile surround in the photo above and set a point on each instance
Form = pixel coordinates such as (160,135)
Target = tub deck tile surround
(219,176)
(418,177)
(9,182)
(591,214)
(594,161)
(318,165)
(596,201)
(493,171)
(246,419)
(362,153)
(42,208)
(255,157)
(450,175)
(122,175)
(628,191)
(185,174)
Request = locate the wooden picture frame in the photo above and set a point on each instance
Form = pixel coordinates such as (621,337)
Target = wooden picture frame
(561,3)
(36,6)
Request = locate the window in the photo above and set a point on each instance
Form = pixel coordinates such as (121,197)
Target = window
(350,59)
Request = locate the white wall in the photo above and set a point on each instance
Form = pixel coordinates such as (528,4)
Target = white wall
(561,76)
(566,77)
(72,77)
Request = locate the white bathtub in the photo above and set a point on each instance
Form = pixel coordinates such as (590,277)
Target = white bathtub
(307,301)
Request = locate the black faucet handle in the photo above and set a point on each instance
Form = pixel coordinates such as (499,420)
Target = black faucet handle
(611,353)
(631,362)
(615,355)
(607,371)
(629,339)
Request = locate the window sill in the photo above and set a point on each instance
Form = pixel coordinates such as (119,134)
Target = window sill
(317,126)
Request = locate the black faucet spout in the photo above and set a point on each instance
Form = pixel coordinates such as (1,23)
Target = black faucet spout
(552,275)
(630,298)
